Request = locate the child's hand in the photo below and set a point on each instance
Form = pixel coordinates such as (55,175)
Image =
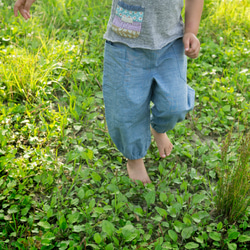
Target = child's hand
(23,6)
(191,45)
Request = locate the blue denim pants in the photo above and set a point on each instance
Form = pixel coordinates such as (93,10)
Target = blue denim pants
(132,79)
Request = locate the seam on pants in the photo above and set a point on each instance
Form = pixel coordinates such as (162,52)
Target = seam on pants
(178,63)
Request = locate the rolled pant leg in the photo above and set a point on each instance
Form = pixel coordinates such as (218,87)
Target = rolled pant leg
(171,95)
(127,92)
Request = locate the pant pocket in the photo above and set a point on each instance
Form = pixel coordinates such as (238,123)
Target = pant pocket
(114,65)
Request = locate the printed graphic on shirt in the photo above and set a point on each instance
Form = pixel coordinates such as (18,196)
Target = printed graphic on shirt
(128,20)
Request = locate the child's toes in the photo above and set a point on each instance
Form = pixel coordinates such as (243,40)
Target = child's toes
(162,153)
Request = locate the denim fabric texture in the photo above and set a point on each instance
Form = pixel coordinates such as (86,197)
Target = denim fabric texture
(132,79)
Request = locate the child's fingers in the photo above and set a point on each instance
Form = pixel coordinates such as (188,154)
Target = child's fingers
(25,13)
(189,51)
(22,11)
(192,50)
(23,7)
(28,5)
(191,45)
(15,11)
(16,8)
(186,42)
(192,53)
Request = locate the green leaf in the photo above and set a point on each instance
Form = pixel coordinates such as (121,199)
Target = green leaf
(232,246)
(72,155)
(161,169)
(78,228)
(186,153)
(72,218)
(187,221)
(173,235)
(96,177)
(203,214)
(46,242)
(219,226)
(63,245)
(244,225)
(179,199)
(205,99)
(191,245)
(215,236)
(163,197)
(116,241)
(113,188)
(193,173)
(44,224)
(109,247)
(25,211)
(226,108)
(150,198)
(139,211)
(165,224)
(108,228)
(199,239)
(74,202)
(198,198)
(157,218)
(97,238)
(81,193)
(167,245)
(196,218)
(13,209)
(50,213)
(172,211)
(62,223)
(158,247)
(49,179)
(233,235)
(93,246)
(92,204)
(80,75)
(187,232)
(129,232)
(162,212)
(178,226)
(2,153)
(244,238)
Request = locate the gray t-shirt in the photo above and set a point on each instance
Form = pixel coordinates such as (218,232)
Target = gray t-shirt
(148,24)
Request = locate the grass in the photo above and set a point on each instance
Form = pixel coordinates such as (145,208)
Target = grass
(63,184)
(234,186)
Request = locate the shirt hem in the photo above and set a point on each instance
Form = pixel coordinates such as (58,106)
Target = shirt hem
(140,46)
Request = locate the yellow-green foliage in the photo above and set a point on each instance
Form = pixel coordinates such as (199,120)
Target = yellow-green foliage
(32,51)
(232,11)
(25,74)
(20,73)
(229,15)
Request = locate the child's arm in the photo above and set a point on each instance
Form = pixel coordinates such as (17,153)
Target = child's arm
(193,13)
(23,6)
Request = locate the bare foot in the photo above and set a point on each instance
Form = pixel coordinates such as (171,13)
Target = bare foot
(137,171)
(163,143)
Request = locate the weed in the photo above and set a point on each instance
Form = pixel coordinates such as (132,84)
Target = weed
(233,191)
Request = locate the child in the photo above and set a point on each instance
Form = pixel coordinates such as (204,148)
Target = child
(144,61)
